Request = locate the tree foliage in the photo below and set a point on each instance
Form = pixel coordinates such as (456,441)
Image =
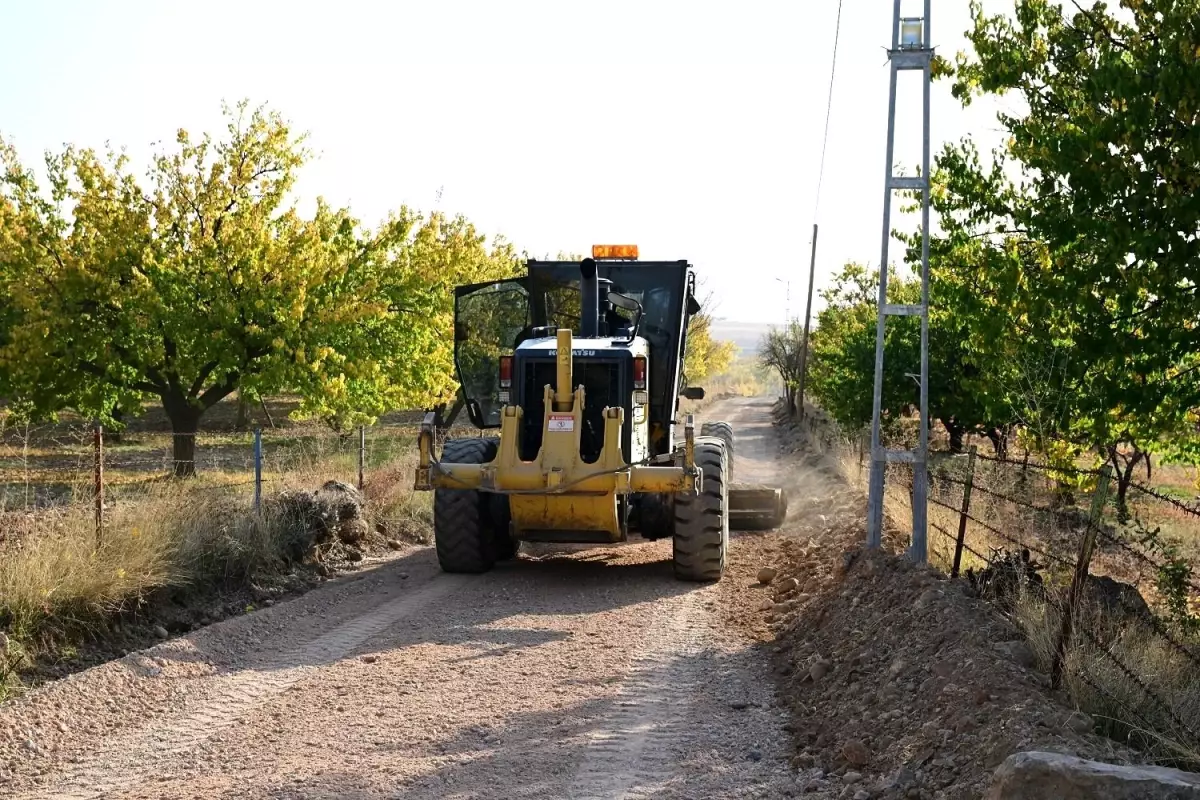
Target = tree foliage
(1073,248)
(705,356)
(207,278)
(842,370)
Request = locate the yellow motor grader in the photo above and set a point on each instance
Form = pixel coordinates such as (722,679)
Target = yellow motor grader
(580,366)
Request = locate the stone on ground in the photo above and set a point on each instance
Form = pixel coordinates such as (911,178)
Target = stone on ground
(1052,776)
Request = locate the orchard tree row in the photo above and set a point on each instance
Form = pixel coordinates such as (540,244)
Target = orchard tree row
(204,277)
(1065,265)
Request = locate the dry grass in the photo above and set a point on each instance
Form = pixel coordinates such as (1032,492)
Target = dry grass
(59,581)
(64,576)
(1156,712)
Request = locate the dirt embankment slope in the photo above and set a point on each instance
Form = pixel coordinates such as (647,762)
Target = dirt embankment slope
(900,684)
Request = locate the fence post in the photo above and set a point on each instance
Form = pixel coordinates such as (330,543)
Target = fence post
(98,448)
(362,454)
(257,469)
(966,507)
(1081,573)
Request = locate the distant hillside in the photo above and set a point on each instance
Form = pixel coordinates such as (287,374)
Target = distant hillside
(746,335)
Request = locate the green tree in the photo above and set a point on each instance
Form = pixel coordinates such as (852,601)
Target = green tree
(211,280)
(1090,252)
(842,370)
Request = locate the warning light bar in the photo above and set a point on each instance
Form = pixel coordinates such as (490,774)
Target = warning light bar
(629,251)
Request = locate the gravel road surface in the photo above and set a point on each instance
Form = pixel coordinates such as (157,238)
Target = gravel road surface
(588,673)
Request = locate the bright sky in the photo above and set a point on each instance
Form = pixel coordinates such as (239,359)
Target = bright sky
(692,129)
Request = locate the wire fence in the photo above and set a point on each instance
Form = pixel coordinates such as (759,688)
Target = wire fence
(51,467)
(1110,597)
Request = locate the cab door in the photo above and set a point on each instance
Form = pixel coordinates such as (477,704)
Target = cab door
(488,317)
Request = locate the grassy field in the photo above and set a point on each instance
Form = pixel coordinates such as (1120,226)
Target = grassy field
(166,542)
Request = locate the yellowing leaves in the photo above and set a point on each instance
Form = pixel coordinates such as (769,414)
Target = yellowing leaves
(203,278)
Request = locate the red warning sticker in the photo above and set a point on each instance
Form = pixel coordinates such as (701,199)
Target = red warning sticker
(561,422)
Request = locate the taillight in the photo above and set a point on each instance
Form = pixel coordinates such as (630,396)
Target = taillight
(505,372)
(639,372)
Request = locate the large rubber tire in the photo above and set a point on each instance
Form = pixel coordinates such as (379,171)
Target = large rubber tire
(501,516)
(464,532)
(702,521)
(724,432)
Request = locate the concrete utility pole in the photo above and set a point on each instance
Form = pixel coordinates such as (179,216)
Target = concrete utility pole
(910,50)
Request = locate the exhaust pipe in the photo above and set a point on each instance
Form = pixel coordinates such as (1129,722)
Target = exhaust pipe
(589,298)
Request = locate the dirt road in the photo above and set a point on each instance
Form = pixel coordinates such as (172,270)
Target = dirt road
(584,674)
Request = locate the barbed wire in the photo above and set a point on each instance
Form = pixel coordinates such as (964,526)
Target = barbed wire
(1138,487)
(1007,537)
(966,546)
(1129,673)
(1135,680)
(1146,490)
(1139,555)
(976,487)
(1008,462)
(1060,513)
(1110,697)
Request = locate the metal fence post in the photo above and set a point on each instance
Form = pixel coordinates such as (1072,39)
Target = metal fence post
(1081,573)
(362,454)
(98,448)
(257,469)
(962,517)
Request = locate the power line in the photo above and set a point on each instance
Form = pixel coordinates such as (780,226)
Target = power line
(837,30)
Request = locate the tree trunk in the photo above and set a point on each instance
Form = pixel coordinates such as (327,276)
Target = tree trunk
(243,413)
(119,417)
(185,421)
(1124,477)
(999,440)
(956,433)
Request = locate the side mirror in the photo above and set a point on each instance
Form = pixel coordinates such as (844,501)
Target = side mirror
(693,305)
(693,393)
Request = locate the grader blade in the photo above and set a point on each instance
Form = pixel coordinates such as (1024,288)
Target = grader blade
(756,508)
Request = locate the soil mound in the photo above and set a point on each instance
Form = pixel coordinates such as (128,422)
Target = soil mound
(902,684)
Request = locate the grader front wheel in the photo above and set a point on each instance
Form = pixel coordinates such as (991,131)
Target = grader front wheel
(724,432)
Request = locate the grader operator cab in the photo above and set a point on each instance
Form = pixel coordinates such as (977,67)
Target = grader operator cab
(580,366)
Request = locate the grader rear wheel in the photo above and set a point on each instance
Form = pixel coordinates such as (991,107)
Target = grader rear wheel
(702,521)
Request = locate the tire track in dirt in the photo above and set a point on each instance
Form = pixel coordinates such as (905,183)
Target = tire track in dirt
(126,762)
(630,751)
(634,751)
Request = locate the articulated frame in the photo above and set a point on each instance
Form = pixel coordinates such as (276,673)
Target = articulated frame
(557,491)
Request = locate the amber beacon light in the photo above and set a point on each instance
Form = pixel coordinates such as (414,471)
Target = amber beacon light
(614,251)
